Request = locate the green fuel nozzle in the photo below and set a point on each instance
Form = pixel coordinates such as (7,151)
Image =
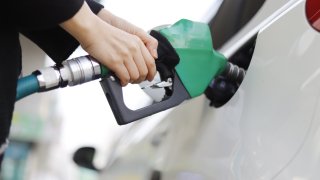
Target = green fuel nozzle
(187,65)
(198,65)
(199,62)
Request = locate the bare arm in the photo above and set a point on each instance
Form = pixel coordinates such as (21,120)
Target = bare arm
(150,42)
(124,52)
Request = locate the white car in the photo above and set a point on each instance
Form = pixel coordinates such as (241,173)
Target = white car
(269,129)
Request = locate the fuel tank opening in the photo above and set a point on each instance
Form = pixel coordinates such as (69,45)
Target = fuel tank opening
(222,89)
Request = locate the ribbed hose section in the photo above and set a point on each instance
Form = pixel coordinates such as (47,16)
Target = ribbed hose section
(234,73)
(27,86)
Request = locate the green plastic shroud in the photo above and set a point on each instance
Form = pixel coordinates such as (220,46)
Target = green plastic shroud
(199,62)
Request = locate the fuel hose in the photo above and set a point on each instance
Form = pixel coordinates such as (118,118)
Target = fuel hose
(27,86)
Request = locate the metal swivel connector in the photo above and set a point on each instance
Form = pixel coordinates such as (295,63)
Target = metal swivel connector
(79,70)
(72,72)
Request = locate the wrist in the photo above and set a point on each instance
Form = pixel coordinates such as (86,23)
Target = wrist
(81,24)
(106,16)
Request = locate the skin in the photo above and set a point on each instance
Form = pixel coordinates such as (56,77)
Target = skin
(125,49)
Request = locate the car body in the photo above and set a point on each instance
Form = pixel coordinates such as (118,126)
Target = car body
(269,129)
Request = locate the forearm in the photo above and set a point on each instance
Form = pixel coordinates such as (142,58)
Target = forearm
(150,42)
(82,24)
(118,22)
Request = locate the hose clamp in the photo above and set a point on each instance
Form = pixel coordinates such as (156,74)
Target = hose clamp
(48,78)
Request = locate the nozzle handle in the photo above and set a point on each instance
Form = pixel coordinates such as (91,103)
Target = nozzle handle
(124,115)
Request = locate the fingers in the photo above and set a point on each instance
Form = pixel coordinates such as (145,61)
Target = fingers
(143,61)
(143,55)
(152,46)
(123,74)
(149,62)
(132,70)
(141,65)
(137,65)
(150,42)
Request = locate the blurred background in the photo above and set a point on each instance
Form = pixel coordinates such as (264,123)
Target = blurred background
(48,128)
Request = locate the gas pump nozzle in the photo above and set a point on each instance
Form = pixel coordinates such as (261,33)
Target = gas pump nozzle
(188,65)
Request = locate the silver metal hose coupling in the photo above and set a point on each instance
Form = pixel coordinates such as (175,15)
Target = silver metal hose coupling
(72,72)
(80,70)
(234,73)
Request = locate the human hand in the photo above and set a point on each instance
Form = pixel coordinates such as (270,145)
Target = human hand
(123,53)
(150,42)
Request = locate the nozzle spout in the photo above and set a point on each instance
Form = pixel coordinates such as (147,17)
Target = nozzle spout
(234,73)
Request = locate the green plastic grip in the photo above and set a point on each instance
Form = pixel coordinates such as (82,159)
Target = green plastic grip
(199,62)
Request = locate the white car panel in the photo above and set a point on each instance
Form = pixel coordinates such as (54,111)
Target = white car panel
(265,125)
(260,132)
(270,10)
